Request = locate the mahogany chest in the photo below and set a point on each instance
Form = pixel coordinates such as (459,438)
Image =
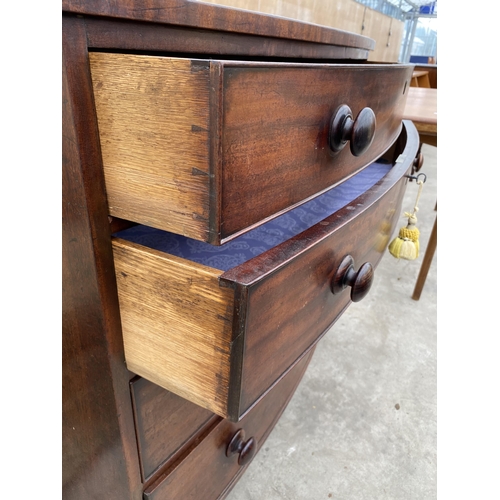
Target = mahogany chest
(230,183)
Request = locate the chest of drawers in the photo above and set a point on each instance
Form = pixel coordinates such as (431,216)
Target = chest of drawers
(268,144)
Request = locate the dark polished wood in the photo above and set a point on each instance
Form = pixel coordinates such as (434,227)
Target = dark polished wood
(116,224)
(284,300)
(360,281)
(275,144)
(206,472)
(259,317)
(358,132)
(214,17)
(418,162)
(261,140)
(165,424)
(100,454)
(124,438)
(160,38)
(99,450)
(244,448)
(362,132)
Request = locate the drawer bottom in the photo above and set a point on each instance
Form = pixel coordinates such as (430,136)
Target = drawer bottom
(272,233)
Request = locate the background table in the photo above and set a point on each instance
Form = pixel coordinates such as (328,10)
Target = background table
(421,108)
(420,79)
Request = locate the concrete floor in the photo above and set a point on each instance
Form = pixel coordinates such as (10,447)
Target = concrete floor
(362,423)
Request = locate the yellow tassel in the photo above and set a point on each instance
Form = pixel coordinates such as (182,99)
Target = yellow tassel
(406,245)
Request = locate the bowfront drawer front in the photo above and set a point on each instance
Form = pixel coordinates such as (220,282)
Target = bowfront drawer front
(208,149)
(222,338)
(228,448)
(165,423)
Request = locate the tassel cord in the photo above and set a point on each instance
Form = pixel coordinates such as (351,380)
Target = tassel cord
(415,208)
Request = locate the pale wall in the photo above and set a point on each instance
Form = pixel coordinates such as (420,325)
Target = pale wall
(346,15)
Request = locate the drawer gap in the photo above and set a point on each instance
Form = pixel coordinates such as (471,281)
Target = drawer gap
(233,57)
(264,237)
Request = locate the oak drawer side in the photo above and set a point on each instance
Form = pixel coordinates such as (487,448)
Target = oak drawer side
(154,125)
(177,323)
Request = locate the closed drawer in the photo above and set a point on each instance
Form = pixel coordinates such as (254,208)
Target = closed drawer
(222,338)
(215,471)
(209,149)
(165,424)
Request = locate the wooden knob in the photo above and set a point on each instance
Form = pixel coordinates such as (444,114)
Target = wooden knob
(359,132)
(245,449)
(360,282)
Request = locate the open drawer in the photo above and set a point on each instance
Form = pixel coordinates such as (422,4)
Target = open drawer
(222,338)
(210,148)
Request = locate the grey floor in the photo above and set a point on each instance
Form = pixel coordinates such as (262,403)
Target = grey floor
(362,423)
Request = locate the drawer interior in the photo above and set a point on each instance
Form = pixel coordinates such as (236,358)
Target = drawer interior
(259,240)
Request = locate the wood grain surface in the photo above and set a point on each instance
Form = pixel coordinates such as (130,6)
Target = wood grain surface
(221,340)
(276,121)
(153,115)
(120,34)
(214,17)
(347,15)
(99,451)
(101,456)
(421,108)
(214,473)
(291,309)
(288,300)
(177,323)
(166,424)
(226,145)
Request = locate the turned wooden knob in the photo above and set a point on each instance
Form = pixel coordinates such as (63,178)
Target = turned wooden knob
(245,449)
(360,282)
(359,132)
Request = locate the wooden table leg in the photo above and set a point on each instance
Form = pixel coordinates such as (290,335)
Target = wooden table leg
(426,263)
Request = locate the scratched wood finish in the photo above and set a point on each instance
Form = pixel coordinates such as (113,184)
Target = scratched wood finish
(165,424)
(222,340)
(210,164)
(177,323)
(216,474)
(213,17)
(154,120)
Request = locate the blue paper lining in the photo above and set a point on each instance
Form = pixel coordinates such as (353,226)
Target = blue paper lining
(264,237)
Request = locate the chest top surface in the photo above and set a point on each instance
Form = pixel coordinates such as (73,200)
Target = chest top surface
(195,14)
